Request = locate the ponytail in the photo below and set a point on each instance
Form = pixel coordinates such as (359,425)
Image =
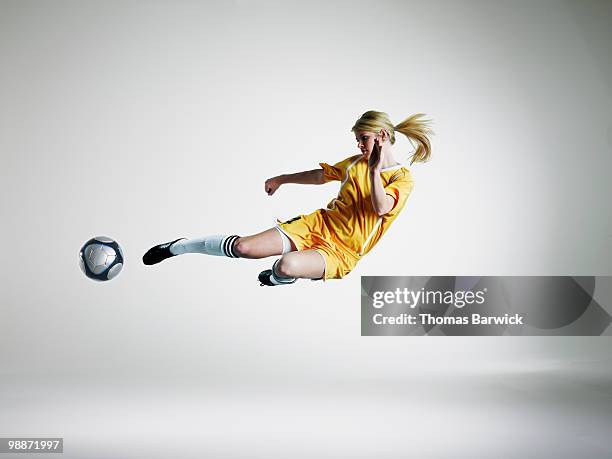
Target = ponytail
(418,130)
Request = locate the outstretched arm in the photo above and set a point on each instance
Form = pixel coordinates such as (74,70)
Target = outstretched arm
(313,177)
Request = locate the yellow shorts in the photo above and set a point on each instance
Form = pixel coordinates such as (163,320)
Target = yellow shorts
(310,232)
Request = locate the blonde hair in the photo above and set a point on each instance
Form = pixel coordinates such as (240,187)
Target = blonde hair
(414,128)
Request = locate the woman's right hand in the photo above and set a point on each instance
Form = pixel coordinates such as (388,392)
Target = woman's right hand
(272,185)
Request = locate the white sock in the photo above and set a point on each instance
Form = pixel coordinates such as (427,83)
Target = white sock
(219,245)
(277,279)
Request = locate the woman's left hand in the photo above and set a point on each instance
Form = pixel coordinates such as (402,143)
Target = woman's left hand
(376,159)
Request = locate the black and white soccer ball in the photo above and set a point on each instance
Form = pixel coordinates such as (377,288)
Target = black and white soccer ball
(101,258)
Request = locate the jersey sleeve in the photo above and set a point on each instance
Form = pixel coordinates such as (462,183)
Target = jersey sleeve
(337,171)
(399,188)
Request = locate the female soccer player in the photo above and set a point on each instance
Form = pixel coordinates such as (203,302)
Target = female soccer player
(328,243)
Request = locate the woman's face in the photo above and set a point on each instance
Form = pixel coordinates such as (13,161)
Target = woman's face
(365,142)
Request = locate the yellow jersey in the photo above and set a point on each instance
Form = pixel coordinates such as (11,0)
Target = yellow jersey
(350,216)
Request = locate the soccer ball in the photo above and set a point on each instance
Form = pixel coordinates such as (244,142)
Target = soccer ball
(101,258)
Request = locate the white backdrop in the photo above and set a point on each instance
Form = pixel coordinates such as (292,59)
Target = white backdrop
(148,121)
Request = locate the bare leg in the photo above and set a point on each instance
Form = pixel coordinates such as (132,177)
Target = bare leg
(306,264)
(261,245)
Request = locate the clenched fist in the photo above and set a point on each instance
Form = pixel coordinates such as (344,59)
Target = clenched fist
(377,157)
(272,185)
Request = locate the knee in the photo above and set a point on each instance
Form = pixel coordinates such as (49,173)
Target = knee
(287,267)
(244,248)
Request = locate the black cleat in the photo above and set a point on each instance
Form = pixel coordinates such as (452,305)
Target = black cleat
(159,253)
(265,278)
